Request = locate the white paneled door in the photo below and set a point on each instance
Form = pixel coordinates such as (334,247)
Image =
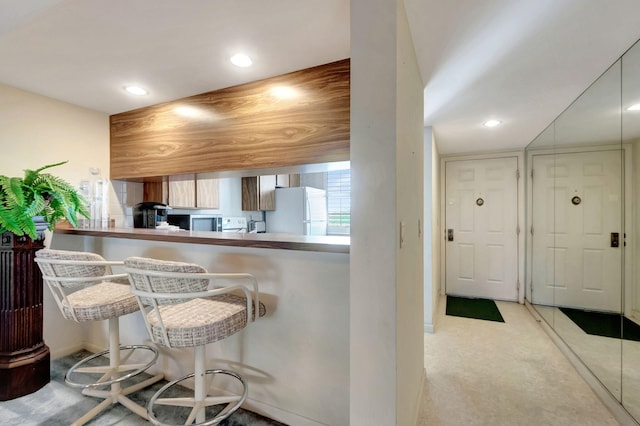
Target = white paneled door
(576,214)
(481,230)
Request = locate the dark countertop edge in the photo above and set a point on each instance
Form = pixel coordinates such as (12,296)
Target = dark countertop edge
(268,241)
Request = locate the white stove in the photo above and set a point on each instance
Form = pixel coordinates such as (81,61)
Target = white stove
(234,224)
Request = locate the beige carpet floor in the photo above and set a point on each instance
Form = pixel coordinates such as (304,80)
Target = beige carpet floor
(490,373)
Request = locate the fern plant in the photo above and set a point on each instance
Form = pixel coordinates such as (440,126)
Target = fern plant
(38,194)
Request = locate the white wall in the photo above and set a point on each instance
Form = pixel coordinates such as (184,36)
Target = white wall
(373,201)
(410,213)
(386,134)
(36,131)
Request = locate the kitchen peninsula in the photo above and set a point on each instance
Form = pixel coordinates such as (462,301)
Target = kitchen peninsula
(296,358)
(329,244)
(301,342)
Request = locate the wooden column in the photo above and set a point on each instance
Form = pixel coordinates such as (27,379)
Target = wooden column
(24,358)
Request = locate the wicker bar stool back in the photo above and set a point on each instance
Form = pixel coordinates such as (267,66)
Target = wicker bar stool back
(185,306)
(86,289)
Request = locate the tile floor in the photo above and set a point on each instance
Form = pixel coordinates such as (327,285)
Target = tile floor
(489,373)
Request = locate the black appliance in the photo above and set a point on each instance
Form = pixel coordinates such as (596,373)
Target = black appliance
(149,214)
(183,221)
(196,222)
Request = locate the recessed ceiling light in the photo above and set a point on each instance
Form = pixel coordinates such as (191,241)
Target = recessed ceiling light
(188,111)
(241,60)
(136,90)
(492,123)
(284,92)
(634,107)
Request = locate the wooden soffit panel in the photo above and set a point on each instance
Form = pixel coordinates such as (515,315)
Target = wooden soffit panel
(292,119)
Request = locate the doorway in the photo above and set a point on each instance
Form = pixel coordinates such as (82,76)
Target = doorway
(481,228)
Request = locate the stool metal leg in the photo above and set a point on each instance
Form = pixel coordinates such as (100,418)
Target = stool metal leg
(115,394)
(200,401)
(110,373)
(200,391)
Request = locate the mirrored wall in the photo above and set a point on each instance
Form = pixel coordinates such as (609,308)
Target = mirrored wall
(583,221)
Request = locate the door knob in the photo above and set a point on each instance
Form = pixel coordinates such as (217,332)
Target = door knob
(449,234)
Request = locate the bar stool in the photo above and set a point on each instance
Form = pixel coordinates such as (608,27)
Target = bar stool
(184,308)
(85,289)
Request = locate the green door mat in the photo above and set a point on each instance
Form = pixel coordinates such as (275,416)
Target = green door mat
(483,309)
(604,324)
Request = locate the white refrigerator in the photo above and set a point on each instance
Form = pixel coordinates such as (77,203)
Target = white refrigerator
(299,210)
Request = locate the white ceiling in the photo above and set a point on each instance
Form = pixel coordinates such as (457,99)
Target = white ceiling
(520,61)
(85,51)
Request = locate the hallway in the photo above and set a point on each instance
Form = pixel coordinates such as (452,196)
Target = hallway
(490,373)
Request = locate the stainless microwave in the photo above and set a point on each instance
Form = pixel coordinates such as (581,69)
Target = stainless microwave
(196,222)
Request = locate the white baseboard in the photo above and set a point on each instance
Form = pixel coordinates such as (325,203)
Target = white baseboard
(93,348)
(280,415)
(275,413)
(428,328)
(60,352)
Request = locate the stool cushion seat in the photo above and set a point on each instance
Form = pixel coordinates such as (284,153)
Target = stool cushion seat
(100,301)
(200,321)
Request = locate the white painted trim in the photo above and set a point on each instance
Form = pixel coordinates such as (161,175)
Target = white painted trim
(629,245)
(521,224)
(68,350)
(429,328)
(520,156)
(421,396)
(93,348)
(616,409)
(482,155)
(278,414)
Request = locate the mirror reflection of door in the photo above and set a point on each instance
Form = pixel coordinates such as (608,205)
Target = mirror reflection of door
(576,215)
(605,117)
(481,214)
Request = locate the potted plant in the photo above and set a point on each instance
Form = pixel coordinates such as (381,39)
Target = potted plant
(28,206)
(42,196)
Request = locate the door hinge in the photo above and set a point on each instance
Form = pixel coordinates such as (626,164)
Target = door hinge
(531,173)
(517,174)
(518,230)
(531,229)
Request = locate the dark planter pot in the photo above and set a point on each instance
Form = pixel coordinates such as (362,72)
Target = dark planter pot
(24,357)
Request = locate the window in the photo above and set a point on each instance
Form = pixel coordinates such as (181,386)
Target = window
(339,202)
